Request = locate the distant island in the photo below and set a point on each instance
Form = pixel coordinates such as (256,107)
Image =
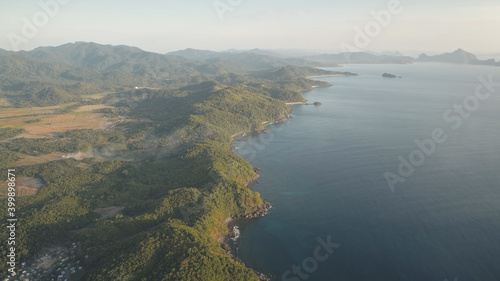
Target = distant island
(316,103)
(458,56)
(388,75)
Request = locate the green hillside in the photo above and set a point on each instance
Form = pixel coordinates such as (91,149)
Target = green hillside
(165,165)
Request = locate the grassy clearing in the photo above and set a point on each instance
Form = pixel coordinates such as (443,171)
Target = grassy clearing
(44,121)
(24,187)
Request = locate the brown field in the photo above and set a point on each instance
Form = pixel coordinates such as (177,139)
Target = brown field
(20,112)
(69,121)
(50,123)
(24,187)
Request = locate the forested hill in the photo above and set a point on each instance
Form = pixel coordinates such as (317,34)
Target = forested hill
(256,60)
(177,193)
(78,69)
(4,52)
(140,189)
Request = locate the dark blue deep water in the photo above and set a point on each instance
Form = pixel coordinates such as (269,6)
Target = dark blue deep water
(323,172)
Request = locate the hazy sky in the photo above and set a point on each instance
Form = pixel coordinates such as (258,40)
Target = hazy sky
(323,25)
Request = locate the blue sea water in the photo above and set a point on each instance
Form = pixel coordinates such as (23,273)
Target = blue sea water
(323,172)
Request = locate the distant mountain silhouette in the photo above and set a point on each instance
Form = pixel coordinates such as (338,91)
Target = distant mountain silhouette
(255,59)
(258,59)
(459,56)
(359,57)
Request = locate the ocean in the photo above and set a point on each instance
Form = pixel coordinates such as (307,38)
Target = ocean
(389,179)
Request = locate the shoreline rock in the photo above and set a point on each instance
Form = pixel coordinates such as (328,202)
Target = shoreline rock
(227,241)
(242,135)
(316,103)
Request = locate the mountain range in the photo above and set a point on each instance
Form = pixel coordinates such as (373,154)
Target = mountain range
(459,56)
(86,68)
(165,165)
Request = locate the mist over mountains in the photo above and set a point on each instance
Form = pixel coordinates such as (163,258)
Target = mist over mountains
(50,75)
(83,61)
(459,56)
(87,68)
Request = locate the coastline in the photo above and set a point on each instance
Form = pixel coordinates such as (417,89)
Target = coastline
(238,136)
(313,87)
(226,240)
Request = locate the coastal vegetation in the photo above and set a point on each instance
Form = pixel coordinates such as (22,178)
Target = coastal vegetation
(164,160)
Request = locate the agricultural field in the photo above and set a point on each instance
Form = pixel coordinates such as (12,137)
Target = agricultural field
(47,122)
(43,122)
(71,121)
(25,186)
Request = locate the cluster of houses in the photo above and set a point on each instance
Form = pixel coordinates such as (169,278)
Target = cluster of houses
(56,264)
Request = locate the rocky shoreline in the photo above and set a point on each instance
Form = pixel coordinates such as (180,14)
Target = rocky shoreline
(227,241)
